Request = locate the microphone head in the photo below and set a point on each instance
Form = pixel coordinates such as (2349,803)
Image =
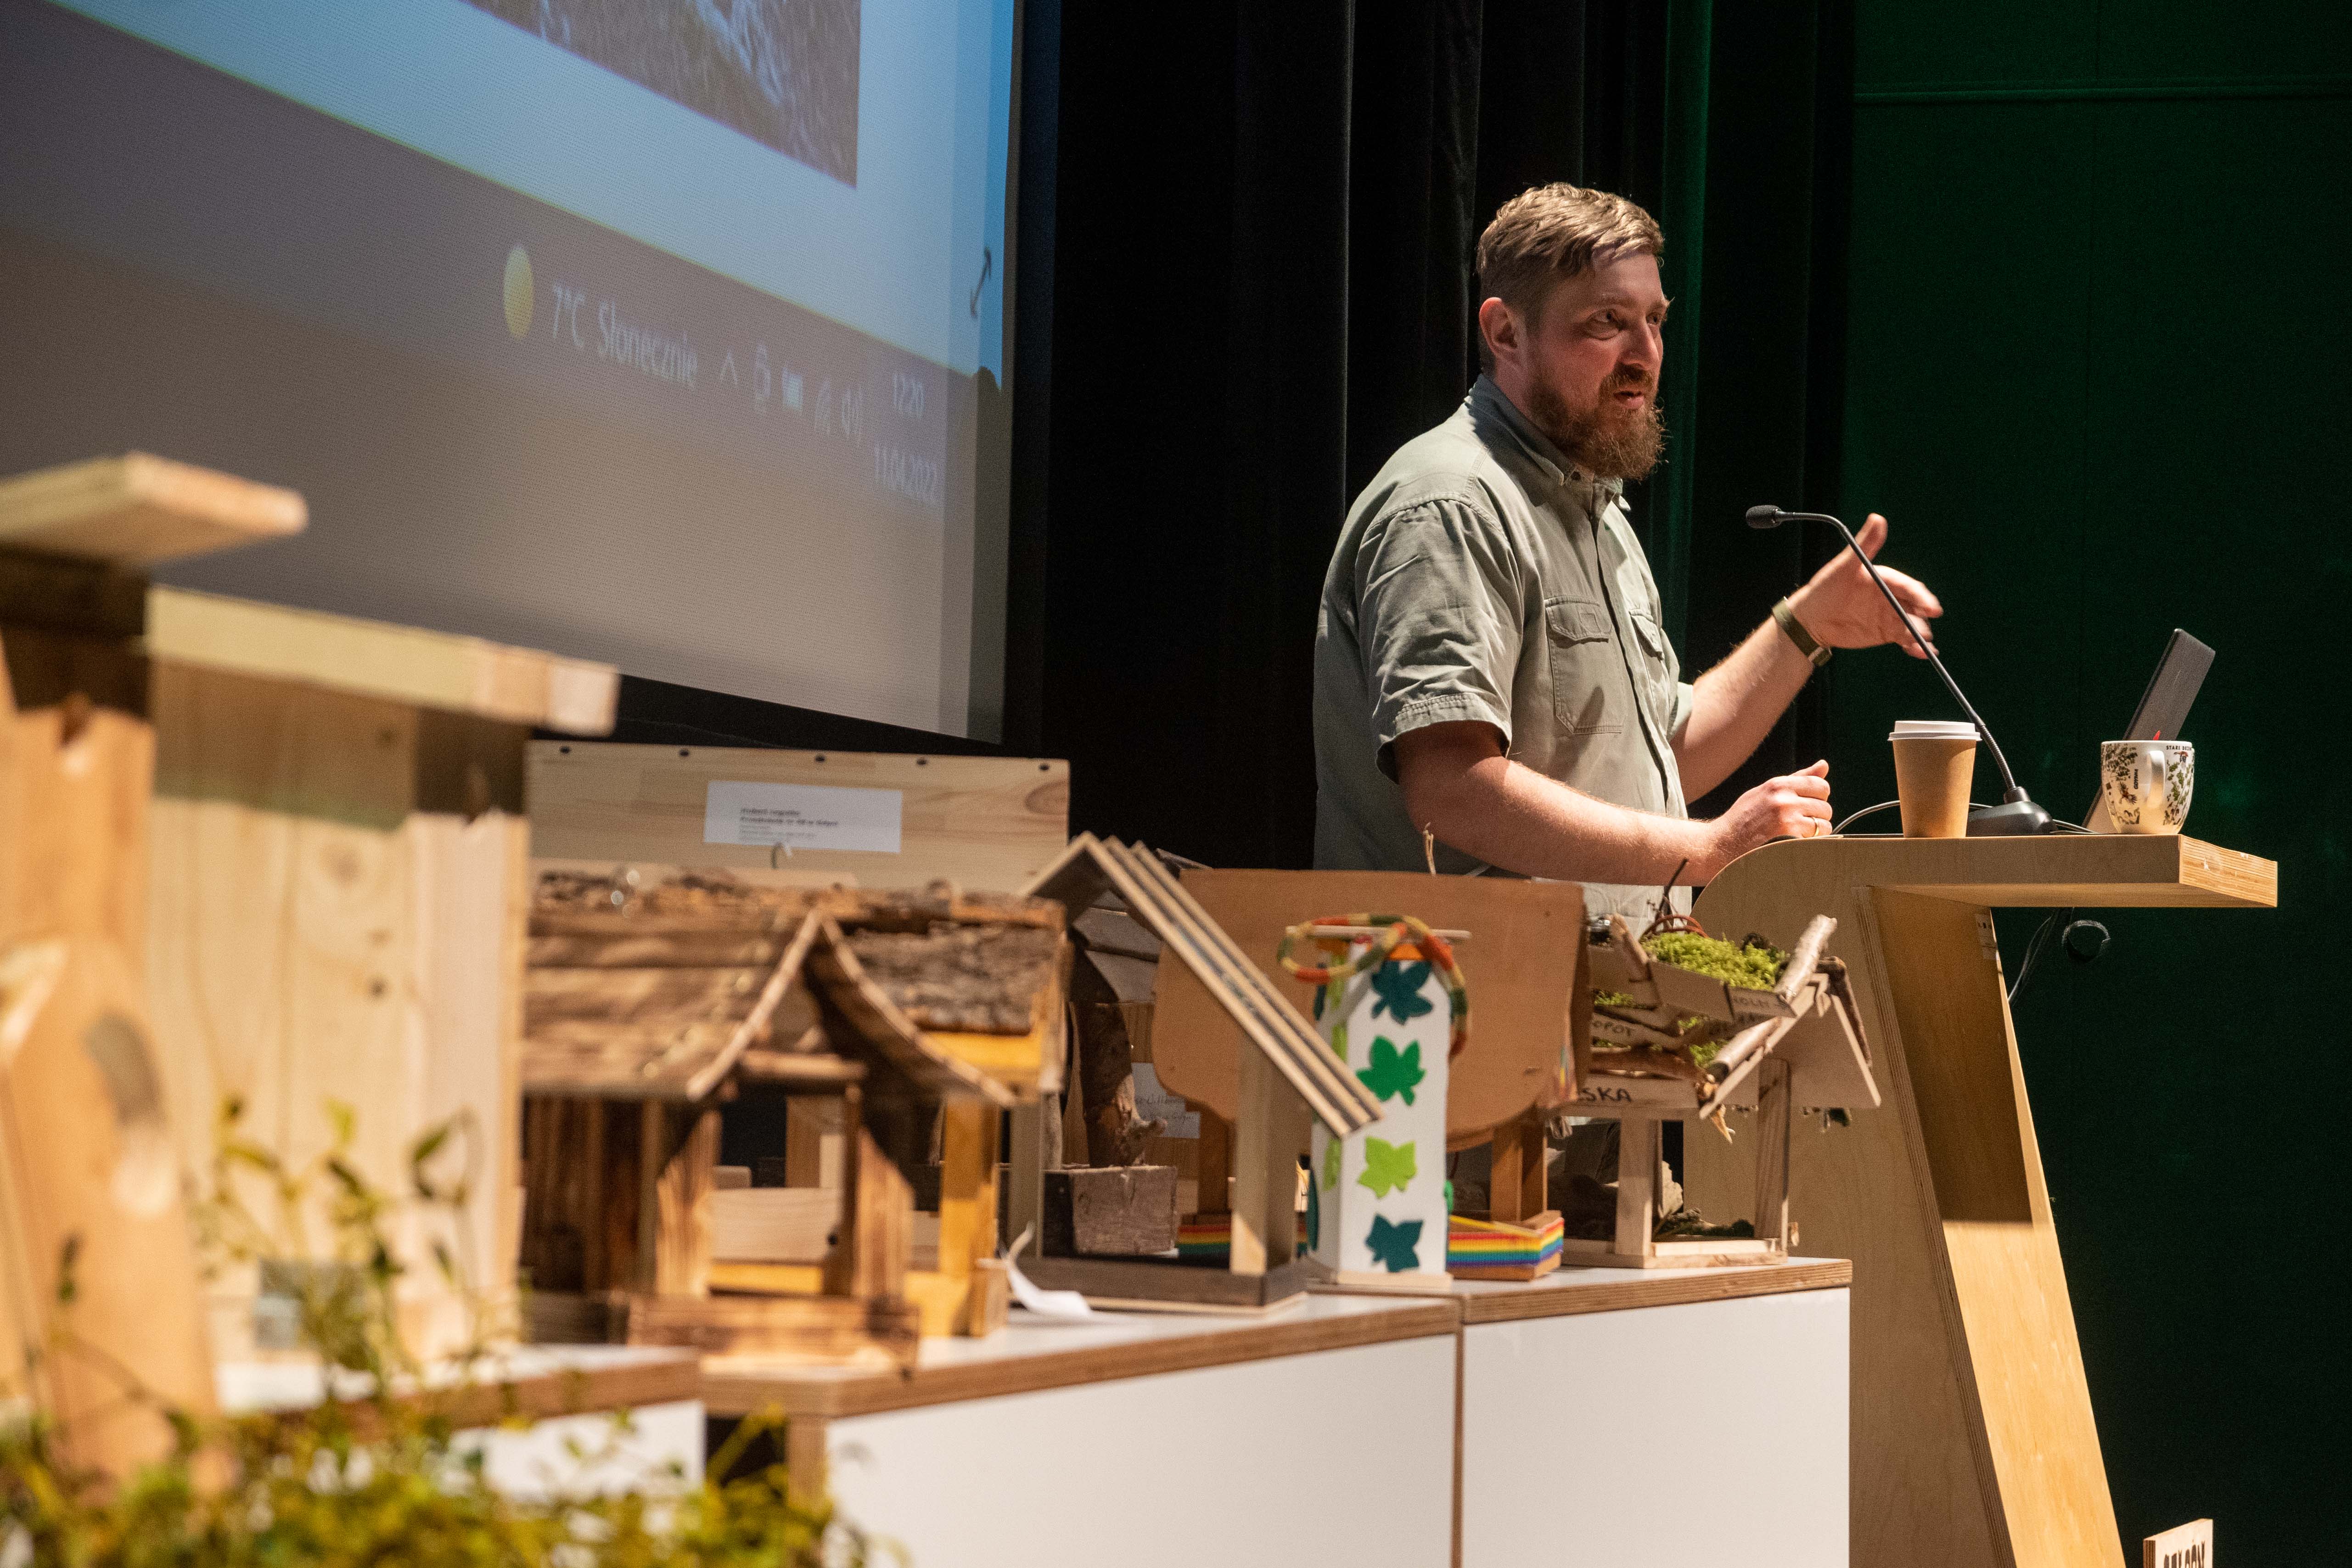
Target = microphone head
(1765,516)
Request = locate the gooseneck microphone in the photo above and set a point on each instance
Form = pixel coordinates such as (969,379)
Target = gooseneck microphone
(2016,815)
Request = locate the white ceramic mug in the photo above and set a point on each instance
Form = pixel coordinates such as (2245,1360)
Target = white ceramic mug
(2146,783)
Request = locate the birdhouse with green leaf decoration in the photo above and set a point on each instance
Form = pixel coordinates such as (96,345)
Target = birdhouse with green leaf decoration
(1390,1005)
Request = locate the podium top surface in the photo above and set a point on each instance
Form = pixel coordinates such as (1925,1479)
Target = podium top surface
(2074,869)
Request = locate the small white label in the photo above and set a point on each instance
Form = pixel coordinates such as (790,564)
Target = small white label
(801,817)
(1986,942)
(1152,1099)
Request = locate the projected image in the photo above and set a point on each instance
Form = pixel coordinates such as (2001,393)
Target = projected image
(783,72)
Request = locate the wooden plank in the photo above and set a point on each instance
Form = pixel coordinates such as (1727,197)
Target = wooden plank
(2014,1348)
(1024,1174)
(1263,1162)
(1521,968)
(682,1194)
(90,599)
(1923,1442)
(774,1224)
(1516,1180)
(2115,872)
(470,880)
(987,822)
(813,1142)
(88,1163)
(1639,1155)
(1336,1098)
(805,1463)
(739,1388)
(1572,1289)
(81,848)
(967,1187)
(1770,1133)
(137,511)
(2187,1545)
(1167,1285)
(869,1259)
(406,665)
(798,1070)
(809,1330)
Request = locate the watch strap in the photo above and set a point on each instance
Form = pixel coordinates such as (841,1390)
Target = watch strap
(1794,629)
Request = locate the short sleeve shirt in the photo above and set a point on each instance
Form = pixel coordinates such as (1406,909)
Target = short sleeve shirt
(1480,576)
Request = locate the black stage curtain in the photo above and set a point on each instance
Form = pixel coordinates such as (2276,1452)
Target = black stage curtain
(1261,284)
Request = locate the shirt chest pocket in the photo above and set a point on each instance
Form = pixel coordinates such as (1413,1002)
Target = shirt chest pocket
(1655,661)
(1586,668)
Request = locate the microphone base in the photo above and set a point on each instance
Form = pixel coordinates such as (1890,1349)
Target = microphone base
(2018,819)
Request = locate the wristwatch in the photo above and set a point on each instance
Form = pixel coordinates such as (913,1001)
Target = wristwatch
(1797,634)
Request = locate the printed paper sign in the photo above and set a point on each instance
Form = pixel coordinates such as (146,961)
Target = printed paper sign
(801,817)
(1152,1099)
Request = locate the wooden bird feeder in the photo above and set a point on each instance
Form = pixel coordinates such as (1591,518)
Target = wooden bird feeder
(651,1004)
(1286,1076)
(1799,1044)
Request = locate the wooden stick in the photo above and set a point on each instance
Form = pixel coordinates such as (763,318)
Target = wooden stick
(1638,1154)
(1771,1133)
(1804,958)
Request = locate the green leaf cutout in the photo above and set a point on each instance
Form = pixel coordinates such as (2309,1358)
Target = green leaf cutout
(1393,1072)
(1332,1164)
(1386,1167)
(1399,985)
(1397,1247)
(1340,1041)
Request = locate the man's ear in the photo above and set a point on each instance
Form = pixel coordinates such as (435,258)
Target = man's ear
(1501,326)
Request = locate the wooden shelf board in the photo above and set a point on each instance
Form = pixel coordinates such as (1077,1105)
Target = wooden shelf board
(2108,871)
(375,658)
(1568,1290)
(1032,1354)
(136,511)
(533,1381)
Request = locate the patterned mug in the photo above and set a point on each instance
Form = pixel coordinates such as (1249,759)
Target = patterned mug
(2146,783)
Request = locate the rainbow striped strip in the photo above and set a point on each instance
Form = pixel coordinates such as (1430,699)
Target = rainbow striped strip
(1210,1237)
(1484,1249)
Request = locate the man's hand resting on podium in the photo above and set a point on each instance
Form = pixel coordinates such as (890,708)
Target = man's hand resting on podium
(1794,805)
(1460,786)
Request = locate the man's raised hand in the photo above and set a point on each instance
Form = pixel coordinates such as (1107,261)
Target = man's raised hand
(1842,607)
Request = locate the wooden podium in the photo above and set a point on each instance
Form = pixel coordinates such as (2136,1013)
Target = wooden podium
(1973,1440)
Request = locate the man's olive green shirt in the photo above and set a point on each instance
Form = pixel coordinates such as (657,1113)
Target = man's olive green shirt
(1481,577)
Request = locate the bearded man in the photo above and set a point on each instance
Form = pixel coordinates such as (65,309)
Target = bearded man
(1493,688)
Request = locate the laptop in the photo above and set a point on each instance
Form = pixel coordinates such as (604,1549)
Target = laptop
(2163,707)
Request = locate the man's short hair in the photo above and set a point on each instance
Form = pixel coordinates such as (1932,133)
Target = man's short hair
(1551,232)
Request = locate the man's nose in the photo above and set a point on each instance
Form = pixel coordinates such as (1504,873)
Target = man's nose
(1648,347)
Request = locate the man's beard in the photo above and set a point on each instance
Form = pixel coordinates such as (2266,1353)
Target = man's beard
(1605,441)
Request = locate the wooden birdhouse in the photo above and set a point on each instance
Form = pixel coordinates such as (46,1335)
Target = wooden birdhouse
(1288,1082)
(336,871)
(1672,1044)
(652,1004)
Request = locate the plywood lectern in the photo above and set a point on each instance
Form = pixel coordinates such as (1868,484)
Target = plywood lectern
(1973,1441)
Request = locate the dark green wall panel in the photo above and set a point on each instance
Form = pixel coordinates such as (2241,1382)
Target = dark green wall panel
(2097,375)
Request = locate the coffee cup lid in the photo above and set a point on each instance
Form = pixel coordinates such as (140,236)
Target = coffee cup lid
(1933,730)
(2182,745)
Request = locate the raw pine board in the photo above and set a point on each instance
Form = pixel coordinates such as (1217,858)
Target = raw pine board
(988,824)
(298,897)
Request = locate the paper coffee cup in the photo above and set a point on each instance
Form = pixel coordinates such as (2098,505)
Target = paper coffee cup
(1935,763)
